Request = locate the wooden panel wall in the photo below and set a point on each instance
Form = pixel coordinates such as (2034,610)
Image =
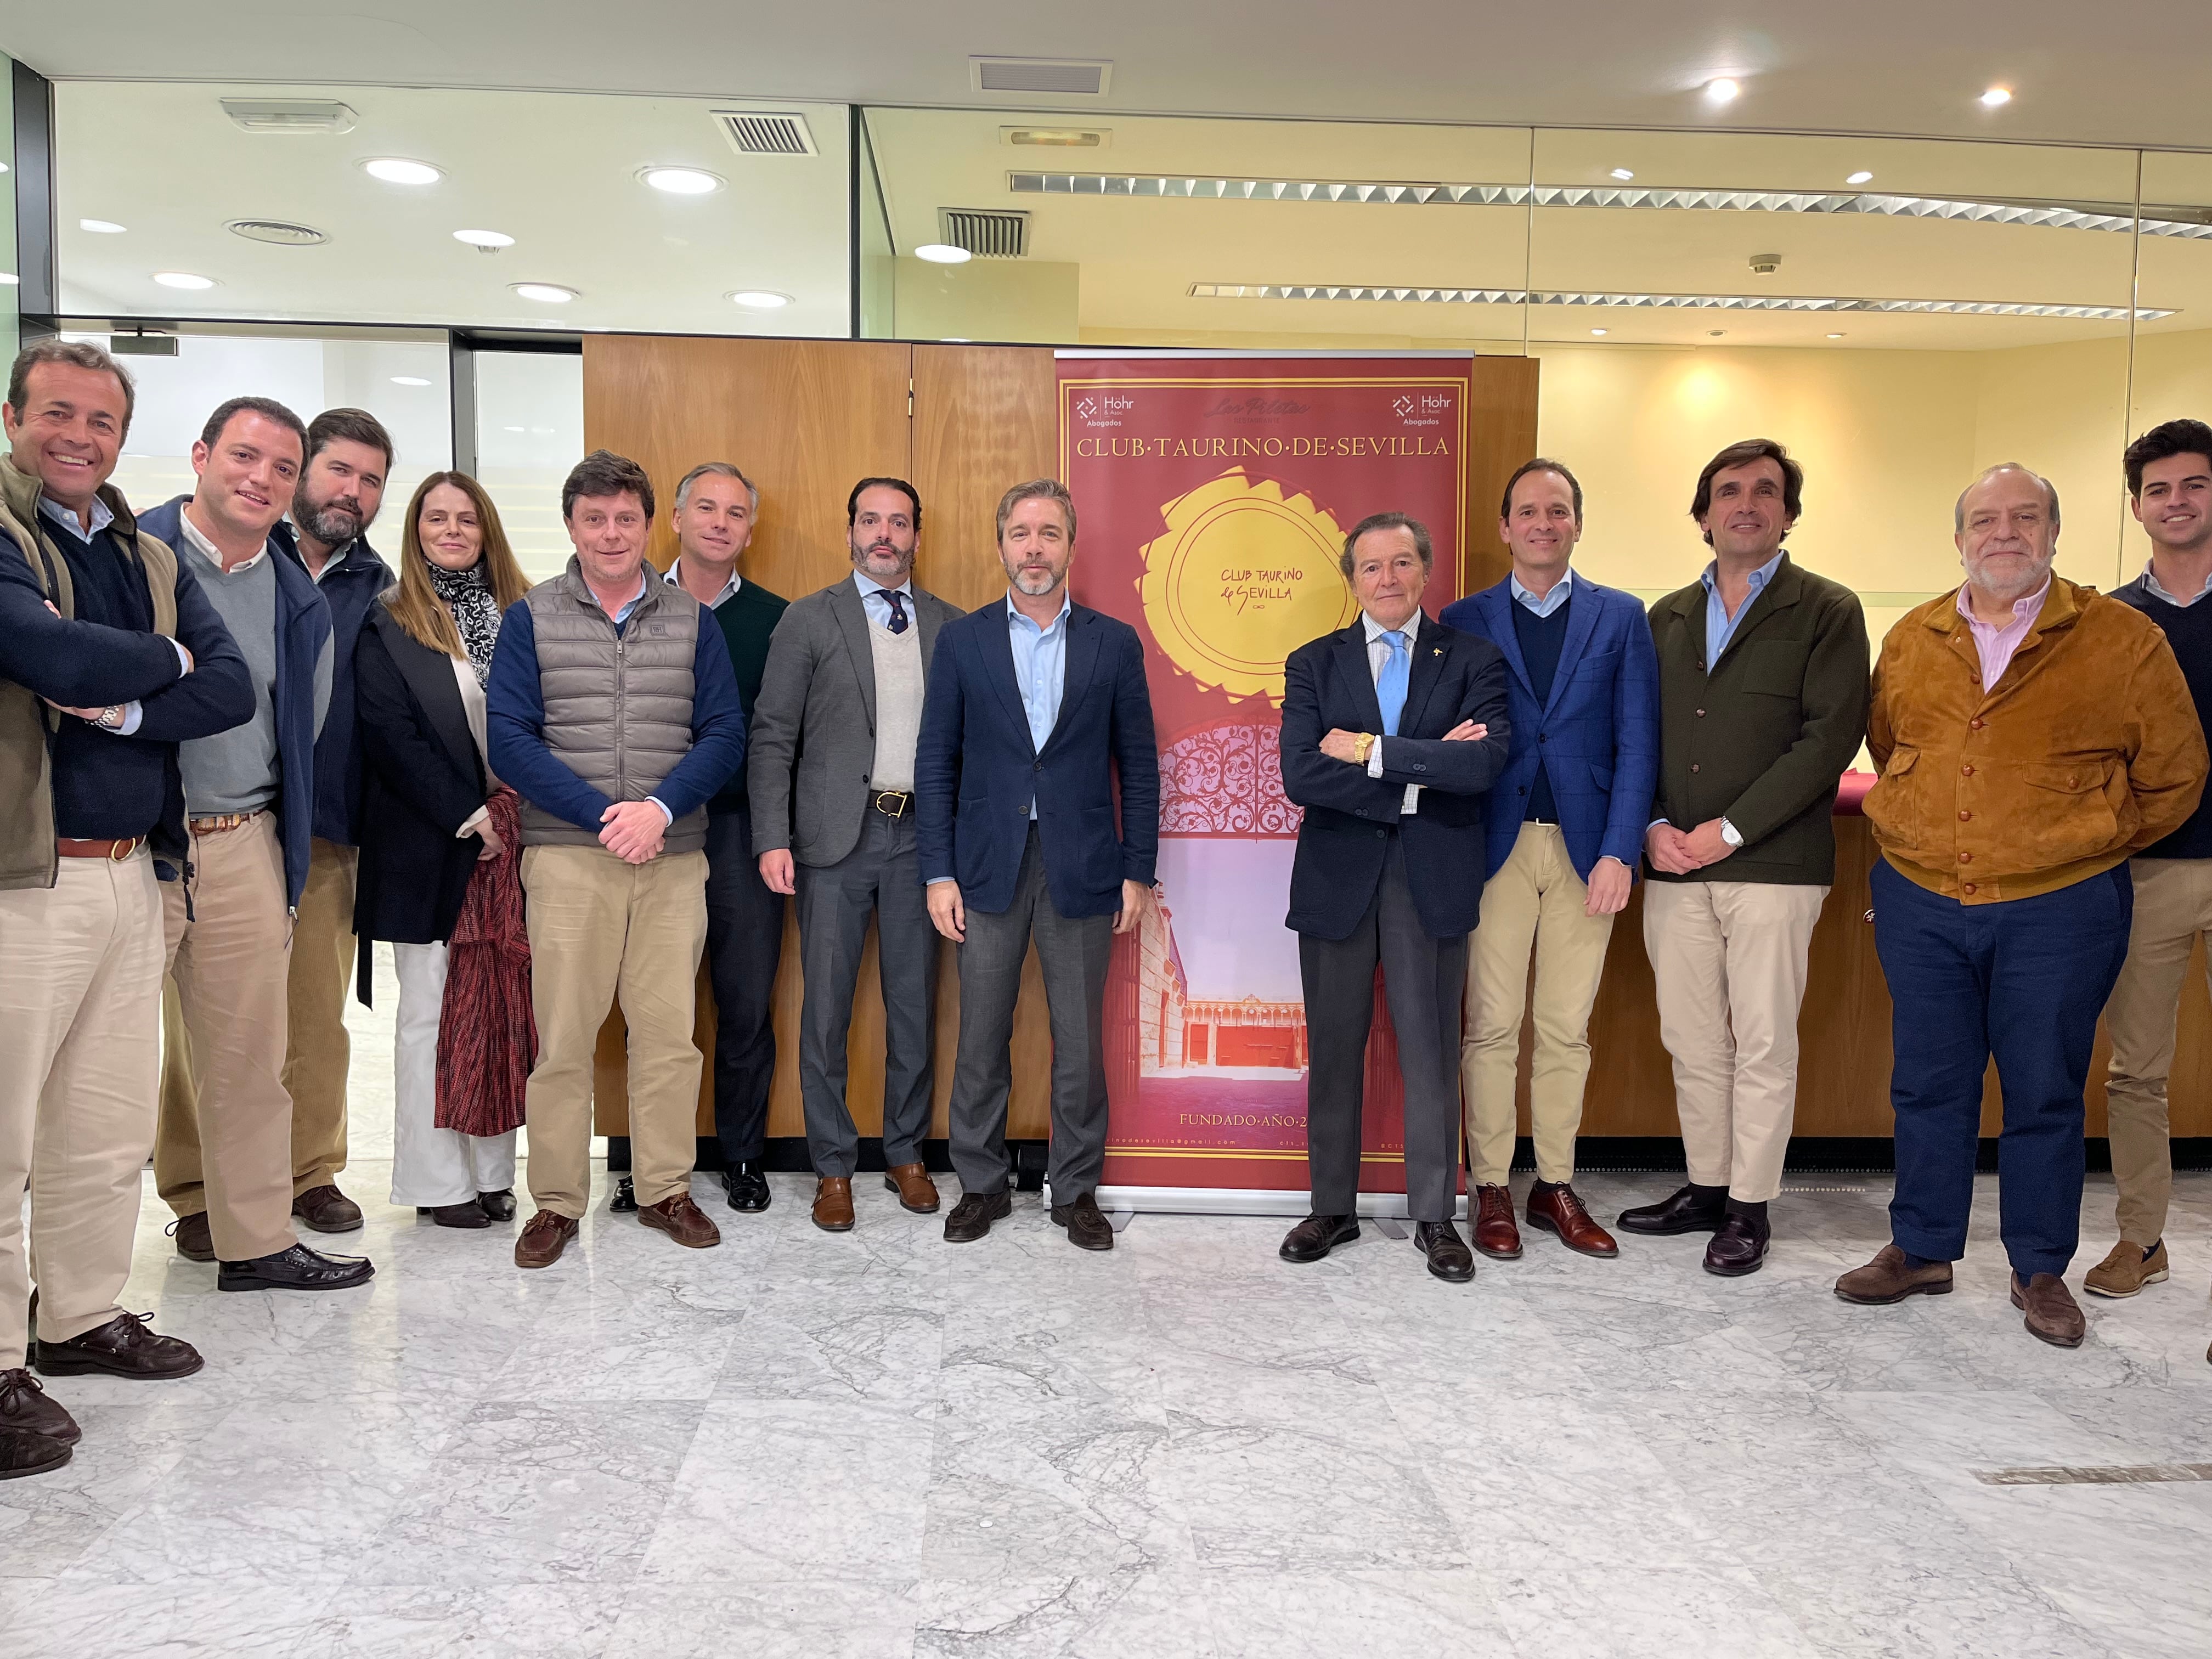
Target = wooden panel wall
(1502,434)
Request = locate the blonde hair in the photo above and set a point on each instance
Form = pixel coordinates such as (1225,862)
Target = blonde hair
(414,603)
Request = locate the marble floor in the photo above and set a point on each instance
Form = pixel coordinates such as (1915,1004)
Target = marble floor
(878,1444)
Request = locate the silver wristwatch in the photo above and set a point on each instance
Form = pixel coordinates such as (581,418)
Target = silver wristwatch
(1730,834)
(111,718)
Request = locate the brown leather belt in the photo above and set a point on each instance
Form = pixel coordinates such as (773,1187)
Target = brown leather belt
(892,803)
(115,851)
(221,821)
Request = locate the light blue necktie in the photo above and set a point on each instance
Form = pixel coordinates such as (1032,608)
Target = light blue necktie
(1390,684)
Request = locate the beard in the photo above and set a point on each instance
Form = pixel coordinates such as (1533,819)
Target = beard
(334,523)
(1035,583)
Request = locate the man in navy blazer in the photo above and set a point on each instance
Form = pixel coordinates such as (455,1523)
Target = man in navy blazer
(1566,831)
(1393,729)
(1033,706)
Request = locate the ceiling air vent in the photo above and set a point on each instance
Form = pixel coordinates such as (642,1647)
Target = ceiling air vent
(290,114)
(282,232)
(1076,77)
(986,232)
(751,133)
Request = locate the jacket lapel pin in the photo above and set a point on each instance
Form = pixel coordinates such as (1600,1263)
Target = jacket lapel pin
(1436,651)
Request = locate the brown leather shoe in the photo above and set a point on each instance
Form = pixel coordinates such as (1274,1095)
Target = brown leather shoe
(544,1238)
(916,1191)
(2127,1268)
(23,1454)
(326,1209)
(195,1238)
(2053,1316)
(1495,1234)
(1886,1279)
(683,1221)
(1088,1229)
(833,1204)
(972,1216)
(1554,1208)
(25,1408)
(126,1345)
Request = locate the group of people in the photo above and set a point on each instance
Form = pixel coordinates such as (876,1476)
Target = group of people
(236,746)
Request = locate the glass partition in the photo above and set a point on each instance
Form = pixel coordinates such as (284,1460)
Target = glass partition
(2173,375)
(530,431)
(10,287)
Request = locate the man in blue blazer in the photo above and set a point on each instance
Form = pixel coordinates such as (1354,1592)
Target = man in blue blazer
(1033,706)
(1565,833)
(1393,729)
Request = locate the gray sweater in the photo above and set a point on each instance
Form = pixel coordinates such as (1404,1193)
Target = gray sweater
(237,770)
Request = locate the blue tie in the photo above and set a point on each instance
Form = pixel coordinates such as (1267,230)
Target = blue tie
(1390,684)
(898,622)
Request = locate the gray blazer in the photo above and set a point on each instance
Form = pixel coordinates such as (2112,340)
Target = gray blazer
(813,739)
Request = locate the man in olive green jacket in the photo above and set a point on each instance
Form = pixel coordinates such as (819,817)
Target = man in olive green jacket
(1762,703)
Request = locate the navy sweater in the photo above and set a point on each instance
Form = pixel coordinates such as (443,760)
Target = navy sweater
(1541,640)
(2189,630)
(108,787)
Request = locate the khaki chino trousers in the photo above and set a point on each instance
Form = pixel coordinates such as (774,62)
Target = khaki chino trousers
(1730,961)
(601,932)
(1534,902)
(2173,908)
(316,1049)
(80,981)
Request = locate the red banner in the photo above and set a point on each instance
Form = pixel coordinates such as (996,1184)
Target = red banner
(1214,496)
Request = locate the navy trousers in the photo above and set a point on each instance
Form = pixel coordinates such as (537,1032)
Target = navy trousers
(2023,981)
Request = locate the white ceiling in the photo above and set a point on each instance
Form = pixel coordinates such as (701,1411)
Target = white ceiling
(2079,73)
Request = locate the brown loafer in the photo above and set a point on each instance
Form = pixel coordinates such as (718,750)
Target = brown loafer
(916,1191)
(544,1238)
(1088,1229)
(195,1237)
(2053,1316)
(25,1408)
(326,1209)
(1554,1208)
(833,1204)
(1886,1279)
(683,1221)
(972,1216)
(1495,1233)
(2127,1269)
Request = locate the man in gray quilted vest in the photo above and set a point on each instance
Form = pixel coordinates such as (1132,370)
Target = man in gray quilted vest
(612,710)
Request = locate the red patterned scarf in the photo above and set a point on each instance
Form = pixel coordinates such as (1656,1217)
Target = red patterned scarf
(487,1035)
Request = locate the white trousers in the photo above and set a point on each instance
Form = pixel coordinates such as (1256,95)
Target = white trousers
(432,1166)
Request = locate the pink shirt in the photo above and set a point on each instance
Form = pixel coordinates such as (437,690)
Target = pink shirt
(1997,644)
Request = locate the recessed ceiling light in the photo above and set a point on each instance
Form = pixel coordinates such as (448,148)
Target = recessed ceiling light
(1715,333)
(100,226)
(943,254)
(484,239)
(394,171)
(1623,175)
(1835,337)
(182,279)
(681,181)
(1601,330)
(1862,177)
(8,279)
(759,299)
(1995,96)
(551,294)
(1721,91)
(409,379)
(511,428)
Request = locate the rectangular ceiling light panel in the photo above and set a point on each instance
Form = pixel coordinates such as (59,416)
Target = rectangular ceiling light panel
(1511,296)
(1067,77)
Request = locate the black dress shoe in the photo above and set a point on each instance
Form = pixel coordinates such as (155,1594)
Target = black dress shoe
(194,1241)
(972,1216)
(498,1206)
(625,1202)
(296,1269)
(25,1408)
(1450,1259)
(22,1453)
(467,1213)
(126,1345)
(1317,1235)
(1683,1212)
(747,1185)
(1740,1246)
(1087,1226)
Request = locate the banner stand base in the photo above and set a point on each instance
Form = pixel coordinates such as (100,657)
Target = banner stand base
(1240,1200)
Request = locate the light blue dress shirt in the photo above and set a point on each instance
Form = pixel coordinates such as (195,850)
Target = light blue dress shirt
(1562,591)
(2157,589)
(1719,625)
(1039,670)
(879,608)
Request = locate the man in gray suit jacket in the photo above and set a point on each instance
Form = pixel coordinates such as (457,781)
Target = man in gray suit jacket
(831,779)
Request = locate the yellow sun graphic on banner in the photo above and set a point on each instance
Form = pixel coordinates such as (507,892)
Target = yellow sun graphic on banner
(1242,577)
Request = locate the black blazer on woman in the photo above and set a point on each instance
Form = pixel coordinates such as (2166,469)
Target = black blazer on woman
(422,780)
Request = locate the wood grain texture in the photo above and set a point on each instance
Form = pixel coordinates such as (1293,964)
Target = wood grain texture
(1501,434)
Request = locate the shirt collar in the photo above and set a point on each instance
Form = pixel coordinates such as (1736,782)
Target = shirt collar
(2151,584)
(1066,604)
(1562,591)
(1375,630)
(339,555)
(1759,578)
(208,550)
(627,605)
(2023,609)
(729,588)
(102,516)
(868,584)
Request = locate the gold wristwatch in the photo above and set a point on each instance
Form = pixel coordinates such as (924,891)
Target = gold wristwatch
(1367,741)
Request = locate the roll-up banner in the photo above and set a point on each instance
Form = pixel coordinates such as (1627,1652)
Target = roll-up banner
(1213,495)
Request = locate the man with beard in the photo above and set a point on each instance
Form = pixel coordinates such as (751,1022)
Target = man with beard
(831,778)
(349,460)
